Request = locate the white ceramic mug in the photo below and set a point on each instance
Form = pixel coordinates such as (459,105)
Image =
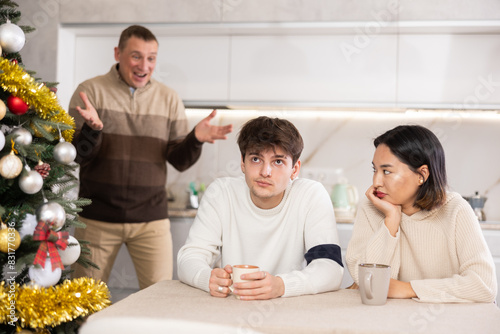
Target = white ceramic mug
(374,280)
(241,269)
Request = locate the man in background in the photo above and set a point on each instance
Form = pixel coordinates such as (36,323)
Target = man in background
(127,126)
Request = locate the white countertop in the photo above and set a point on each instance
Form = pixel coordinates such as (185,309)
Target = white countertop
(166,303)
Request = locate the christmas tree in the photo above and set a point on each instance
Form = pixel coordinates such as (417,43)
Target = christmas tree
(38,205)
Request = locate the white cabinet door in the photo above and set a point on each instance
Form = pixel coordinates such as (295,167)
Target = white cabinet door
(313,68)
(461,71)
(195,66)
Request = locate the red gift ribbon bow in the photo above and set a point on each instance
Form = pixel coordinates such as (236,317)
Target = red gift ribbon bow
(51,240)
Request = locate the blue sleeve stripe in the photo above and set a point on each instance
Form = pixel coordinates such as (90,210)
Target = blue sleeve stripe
(326,251)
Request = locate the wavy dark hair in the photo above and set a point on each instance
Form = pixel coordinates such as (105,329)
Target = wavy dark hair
(137,31)
(264,132)
(415,145)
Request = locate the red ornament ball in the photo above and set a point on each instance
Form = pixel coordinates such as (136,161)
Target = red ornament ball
(17,105)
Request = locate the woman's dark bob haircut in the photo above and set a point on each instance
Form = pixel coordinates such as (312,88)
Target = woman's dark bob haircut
(415,146)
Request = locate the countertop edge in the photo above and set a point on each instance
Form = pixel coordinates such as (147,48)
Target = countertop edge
(191,213)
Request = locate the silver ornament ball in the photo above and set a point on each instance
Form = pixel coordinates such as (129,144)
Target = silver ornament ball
(64,153)
(12,37)
(31,182)
(22,136)
(51,212)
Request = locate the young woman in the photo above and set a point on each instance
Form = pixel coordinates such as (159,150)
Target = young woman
(430,237)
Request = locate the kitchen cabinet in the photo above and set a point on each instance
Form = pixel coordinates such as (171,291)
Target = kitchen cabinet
(312,68)
(459,70)
(345,233)
(392,70)
(195,66)
(306,65)
(492,238)
(179,226)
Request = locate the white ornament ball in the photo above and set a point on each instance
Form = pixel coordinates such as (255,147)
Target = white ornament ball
(45,276)
(12,37)
(64,153)
(31,182)
(71,253)
(51,212)
(29,225)
(10,166)
(22,136)
(2,140)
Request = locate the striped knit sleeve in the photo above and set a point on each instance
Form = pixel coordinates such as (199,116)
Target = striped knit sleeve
(183,148)
(371,242)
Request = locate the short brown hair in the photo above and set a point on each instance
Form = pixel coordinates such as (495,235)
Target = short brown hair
(263,133)
(415,146)
(137,31)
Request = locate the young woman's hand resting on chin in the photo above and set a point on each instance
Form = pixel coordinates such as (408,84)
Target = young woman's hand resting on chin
(392,212)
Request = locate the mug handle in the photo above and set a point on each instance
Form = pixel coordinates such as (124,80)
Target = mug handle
(367,283)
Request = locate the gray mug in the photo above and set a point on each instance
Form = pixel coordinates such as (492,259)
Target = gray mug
(374,282)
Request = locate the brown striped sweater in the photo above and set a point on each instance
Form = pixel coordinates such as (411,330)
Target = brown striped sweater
(123,167)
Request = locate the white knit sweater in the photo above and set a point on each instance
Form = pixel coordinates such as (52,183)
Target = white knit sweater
(230,225)
(442,252)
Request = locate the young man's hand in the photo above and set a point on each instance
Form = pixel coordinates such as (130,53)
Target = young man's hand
(262,286)
(220,281)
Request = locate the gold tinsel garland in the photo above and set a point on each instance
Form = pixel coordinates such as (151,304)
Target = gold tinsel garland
(38,307)
(38,96)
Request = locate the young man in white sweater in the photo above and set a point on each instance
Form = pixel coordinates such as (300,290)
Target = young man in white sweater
(268,218)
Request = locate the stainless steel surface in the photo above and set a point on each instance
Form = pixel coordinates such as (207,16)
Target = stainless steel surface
(477,204)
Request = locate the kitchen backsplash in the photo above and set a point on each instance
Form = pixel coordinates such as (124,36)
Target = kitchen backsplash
(341,143)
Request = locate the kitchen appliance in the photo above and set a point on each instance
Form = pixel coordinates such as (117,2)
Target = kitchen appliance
(477,203)
(345,199)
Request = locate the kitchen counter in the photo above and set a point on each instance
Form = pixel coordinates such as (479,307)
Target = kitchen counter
(174,307)
(490,225)
(182,213)
(191,213)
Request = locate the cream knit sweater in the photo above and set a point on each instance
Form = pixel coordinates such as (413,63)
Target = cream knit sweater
(441,252)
